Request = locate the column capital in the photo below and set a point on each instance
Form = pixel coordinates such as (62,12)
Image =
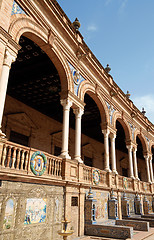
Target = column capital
(106,132)
(66,103)
(129,147)
(78,112)
(8,58)
(113,135)
(146,157)
(134,149)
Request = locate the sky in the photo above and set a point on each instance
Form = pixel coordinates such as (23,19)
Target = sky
(121,33)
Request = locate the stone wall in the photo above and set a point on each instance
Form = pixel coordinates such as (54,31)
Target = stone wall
(30,211)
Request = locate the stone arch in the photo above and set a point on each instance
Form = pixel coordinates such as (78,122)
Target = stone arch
(90,89)
(24,25)
(118,116)
(151,145)
(143,141)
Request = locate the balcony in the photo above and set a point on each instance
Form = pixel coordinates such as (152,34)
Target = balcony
(15,166)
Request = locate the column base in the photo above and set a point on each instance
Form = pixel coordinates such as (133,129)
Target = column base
(115,171)
(2,135)
(65,156)
(107,170)
(137,178)
(78,159)
(132,177)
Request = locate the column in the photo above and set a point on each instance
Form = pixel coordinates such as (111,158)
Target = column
(135,163)
(113,153)
(147,166)
(8,59)
(151,168)
(129,147)
(106,150)
(78,115)
(66,103)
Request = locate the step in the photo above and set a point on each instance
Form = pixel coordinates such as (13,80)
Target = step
(150,220)
(109,231)
(136,224)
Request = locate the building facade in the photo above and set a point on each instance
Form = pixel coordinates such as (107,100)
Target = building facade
(65,126)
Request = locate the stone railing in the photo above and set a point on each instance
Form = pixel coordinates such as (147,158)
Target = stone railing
(15,162)
(87,174)
(16,158)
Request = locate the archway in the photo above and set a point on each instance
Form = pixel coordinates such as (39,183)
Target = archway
(34,83)
(121,150)
(142,174)
(92,136)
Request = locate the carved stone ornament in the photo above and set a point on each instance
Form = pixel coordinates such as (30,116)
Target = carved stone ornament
(133,114)
(51,38)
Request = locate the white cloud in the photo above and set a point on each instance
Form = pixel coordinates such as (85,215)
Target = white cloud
(147,102)
(107,2)
(92,27)
(122,5)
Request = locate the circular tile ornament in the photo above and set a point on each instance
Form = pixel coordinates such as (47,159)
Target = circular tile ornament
(76,76)
(38,163)
(96,177)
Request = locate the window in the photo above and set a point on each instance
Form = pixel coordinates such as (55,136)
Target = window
(88,161)
(19,138)
(74,201)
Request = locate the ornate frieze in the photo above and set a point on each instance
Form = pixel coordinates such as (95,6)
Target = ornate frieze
(16,9)
(77,78)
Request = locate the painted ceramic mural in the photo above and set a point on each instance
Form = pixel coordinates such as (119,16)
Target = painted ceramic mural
(101,204)
(9,212)
(35,210)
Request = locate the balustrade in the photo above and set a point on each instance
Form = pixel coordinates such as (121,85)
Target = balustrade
(87,175)
(15,156)
(54,166)
(16,159)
